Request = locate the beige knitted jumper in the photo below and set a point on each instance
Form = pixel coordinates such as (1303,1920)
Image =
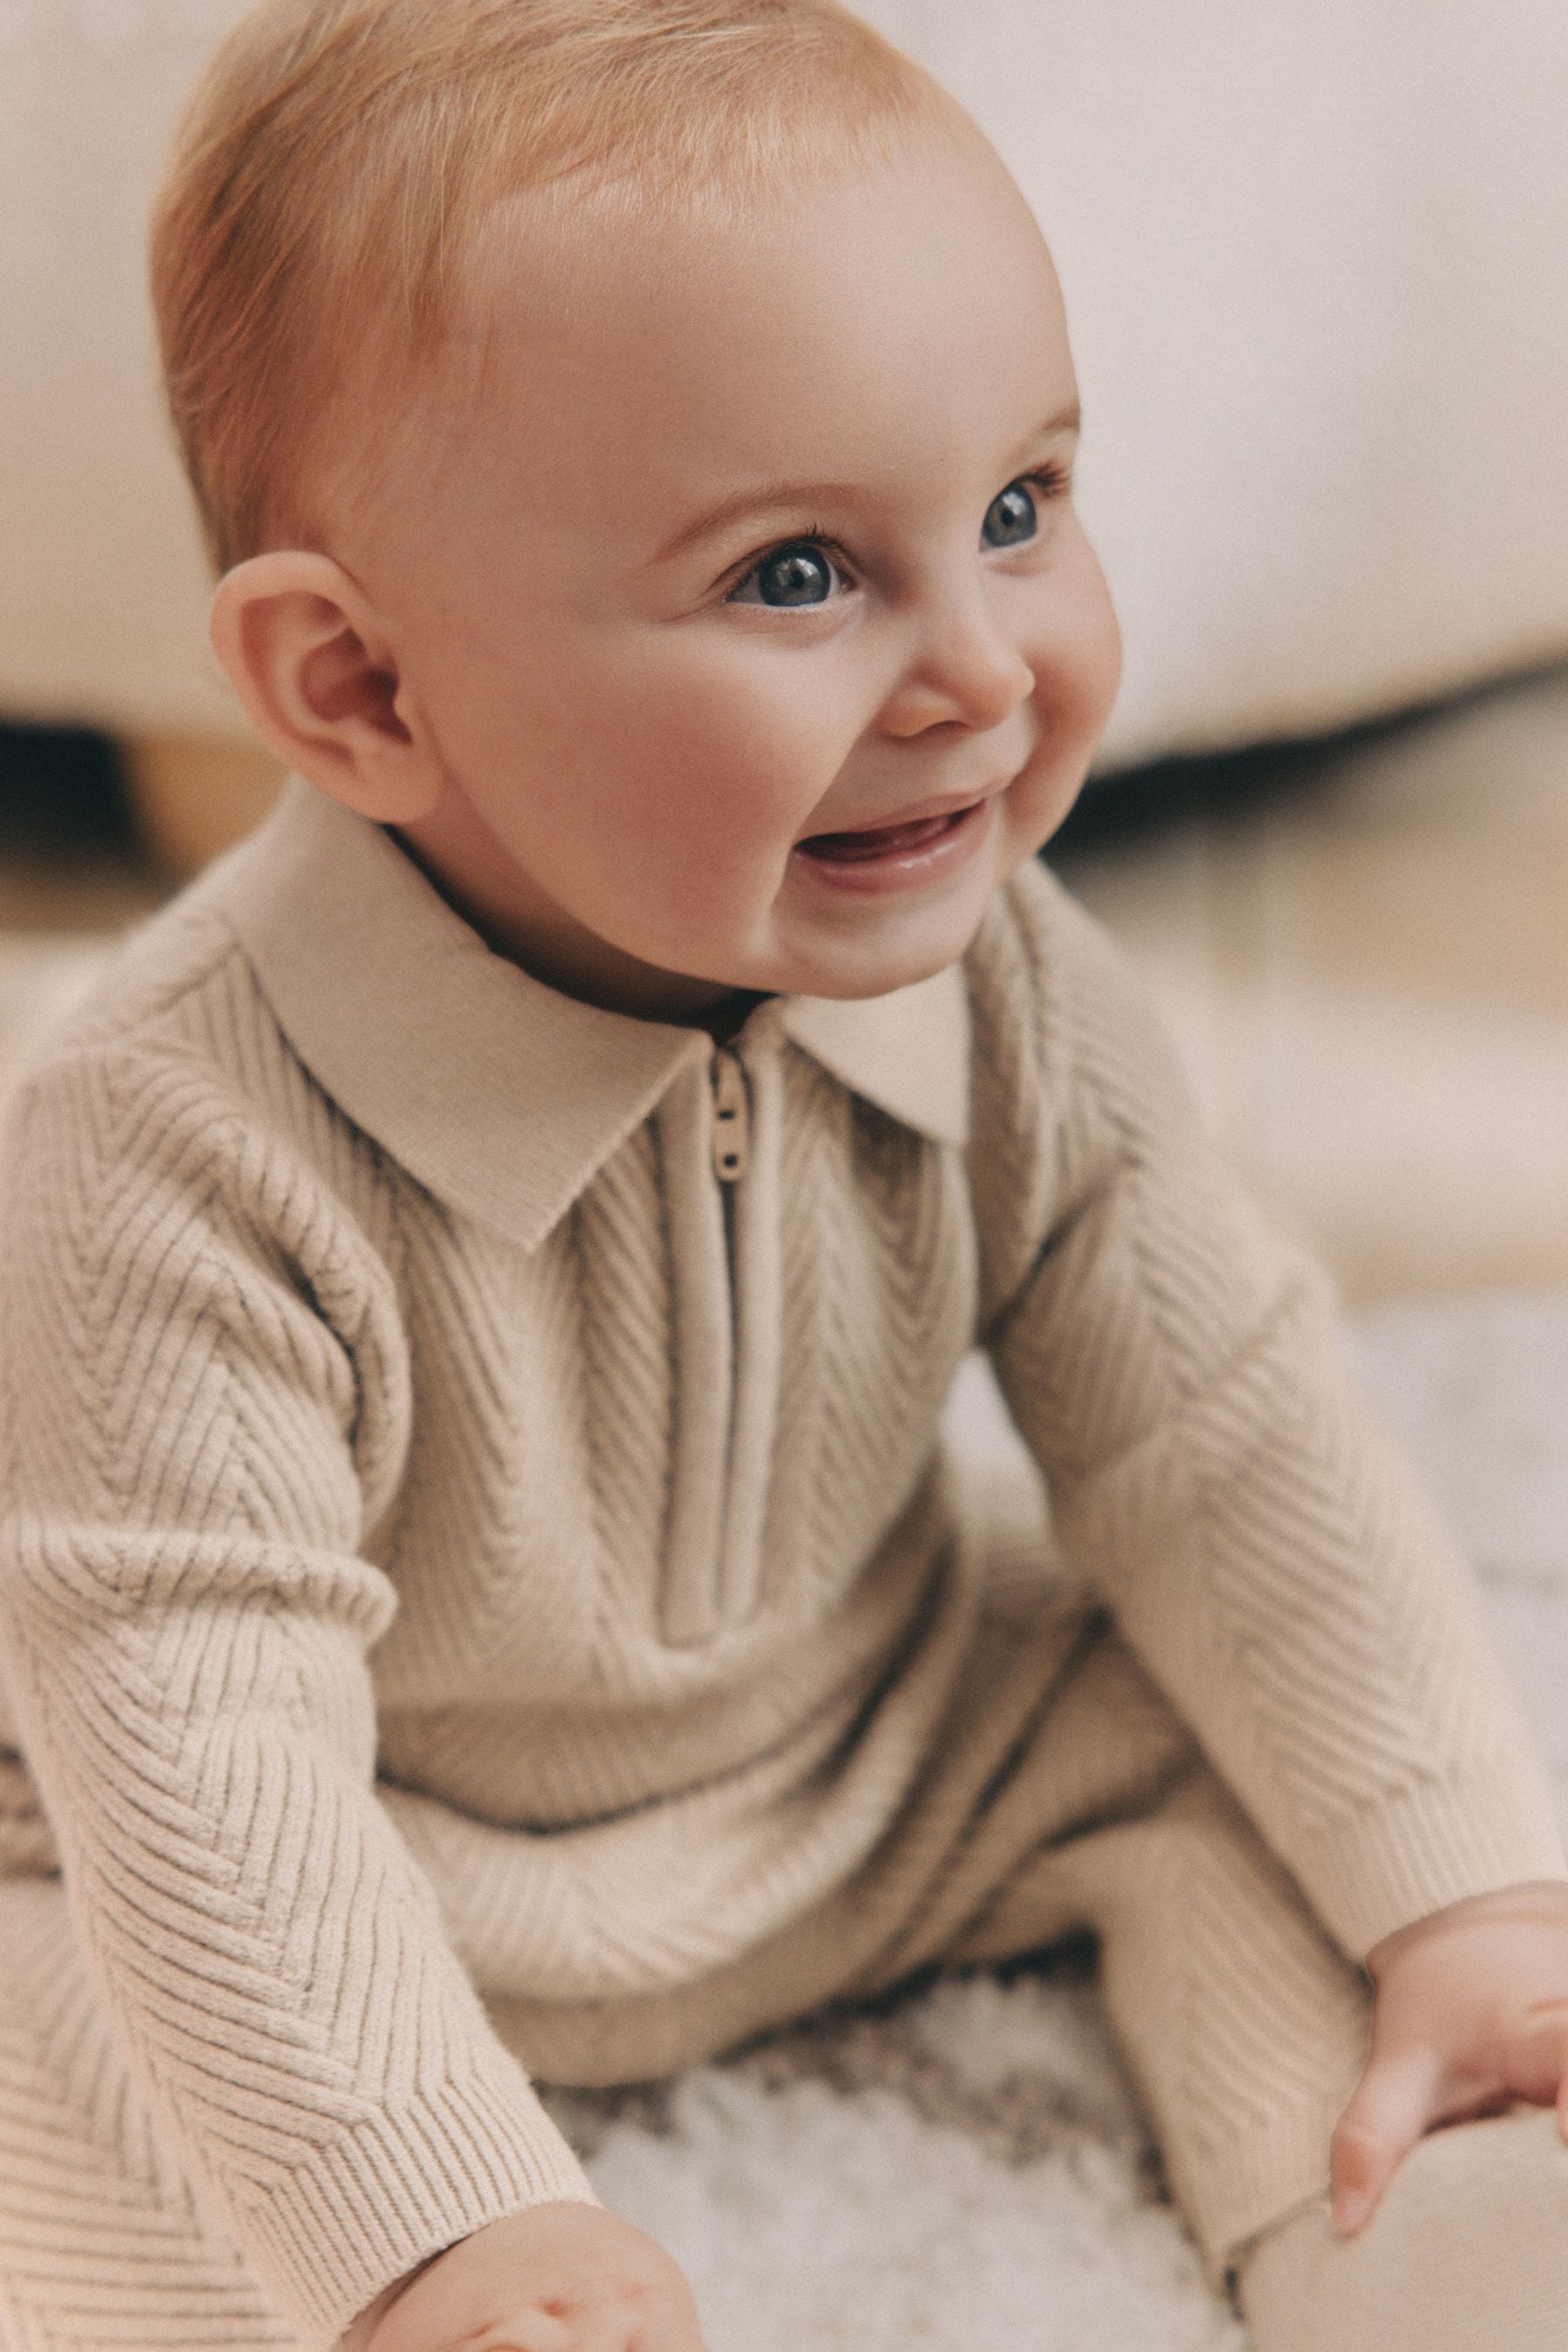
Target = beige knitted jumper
(471,1516)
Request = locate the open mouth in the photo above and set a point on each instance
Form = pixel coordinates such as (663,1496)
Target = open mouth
(884,840)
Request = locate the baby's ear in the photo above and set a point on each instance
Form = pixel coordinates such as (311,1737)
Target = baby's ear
(317,673)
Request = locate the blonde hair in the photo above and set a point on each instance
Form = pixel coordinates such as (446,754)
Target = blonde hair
(340,157)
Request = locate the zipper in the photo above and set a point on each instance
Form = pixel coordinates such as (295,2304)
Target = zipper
(731,1143)
(732,1118)
(724,1405)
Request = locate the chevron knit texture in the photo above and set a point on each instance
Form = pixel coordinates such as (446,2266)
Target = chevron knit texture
(473,1603)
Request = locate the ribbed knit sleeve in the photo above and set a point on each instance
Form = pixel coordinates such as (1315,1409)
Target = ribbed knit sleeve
(1214,1472)
(205,1397)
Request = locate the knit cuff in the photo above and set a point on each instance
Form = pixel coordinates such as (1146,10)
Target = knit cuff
(1421,1849)
(335,2230)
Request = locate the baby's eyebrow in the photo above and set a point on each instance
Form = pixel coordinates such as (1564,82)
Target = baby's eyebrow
(764,498)
(761,497)
(1066,420)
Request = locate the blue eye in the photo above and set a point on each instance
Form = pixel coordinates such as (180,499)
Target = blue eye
(1011,518)
(801,573)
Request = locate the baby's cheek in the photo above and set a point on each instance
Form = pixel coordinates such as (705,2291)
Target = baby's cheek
(709,853)
(1092,646)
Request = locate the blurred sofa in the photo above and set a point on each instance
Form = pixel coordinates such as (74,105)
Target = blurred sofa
(1316,255)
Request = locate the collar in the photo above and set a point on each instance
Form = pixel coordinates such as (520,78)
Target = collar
(499,1094)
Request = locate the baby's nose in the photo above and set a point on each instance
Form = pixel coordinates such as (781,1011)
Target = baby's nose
(968,673)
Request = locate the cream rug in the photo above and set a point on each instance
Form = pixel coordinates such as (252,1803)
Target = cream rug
(965,2167)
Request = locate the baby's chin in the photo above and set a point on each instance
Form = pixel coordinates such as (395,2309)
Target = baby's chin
(828,945)
(849,970)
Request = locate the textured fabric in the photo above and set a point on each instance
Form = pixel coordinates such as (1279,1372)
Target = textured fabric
(452,1538)
(102,2244)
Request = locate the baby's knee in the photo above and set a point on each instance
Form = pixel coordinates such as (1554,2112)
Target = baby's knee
(1468,2252)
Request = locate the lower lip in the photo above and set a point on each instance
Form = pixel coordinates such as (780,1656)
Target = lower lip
(913,855)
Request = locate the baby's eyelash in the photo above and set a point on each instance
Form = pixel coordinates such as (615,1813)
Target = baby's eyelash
(814,536)
(1054,481)
(829,546)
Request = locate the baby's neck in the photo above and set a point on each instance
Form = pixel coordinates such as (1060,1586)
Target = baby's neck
(723,1021)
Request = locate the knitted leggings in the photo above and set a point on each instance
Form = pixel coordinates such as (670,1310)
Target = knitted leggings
(1067,1796)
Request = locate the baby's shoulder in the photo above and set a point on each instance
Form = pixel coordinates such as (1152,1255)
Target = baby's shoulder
(171,1063)
(177,994)
(1059,1018)
(149,993)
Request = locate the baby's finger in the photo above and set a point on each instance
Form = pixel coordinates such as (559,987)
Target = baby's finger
(1544,2079)
(1393,2105)
(1537,2060)
(648,2328)
(609,2328)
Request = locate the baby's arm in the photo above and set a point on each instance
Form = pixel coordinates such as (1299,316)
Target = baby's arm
(204,1416)
(558,2278)
(1219,1482)
(1471,2012)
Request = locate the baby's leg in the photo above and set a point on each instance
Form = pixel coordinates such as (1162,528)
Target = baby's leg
(1246,2030)
(1243,2025)
(102,2249)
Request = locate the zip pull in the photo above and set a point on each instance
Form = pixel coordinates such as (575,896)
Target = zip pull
(732,1118)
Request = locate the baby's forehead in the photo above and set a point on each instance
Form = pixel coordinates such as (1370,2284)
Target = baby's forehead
(341,154)
(554,269)
(888,325)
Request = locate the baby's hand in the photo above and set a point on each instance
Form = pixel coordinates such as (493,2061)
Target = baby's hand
(557,2278)
(1471,2012)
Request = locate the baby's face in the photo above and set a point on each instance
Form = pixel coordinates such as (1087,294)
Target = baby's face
(749,614)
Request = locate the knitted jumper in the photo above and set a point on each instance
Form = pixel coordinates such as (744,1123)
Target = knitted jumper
(472,1514)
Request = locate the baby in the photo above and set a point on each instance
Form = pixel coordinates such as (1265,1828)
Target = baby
(481,1593)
